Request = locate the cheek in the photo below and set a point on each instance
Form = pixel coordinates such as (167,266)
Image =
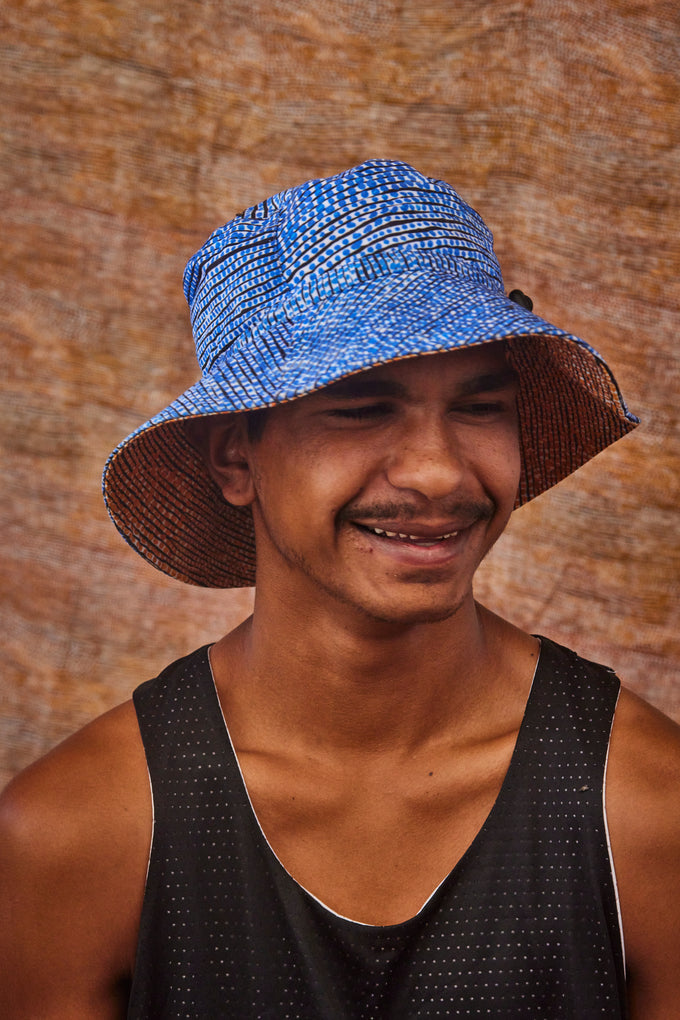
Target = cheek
(307,484)
(332,487)
(503,466)
(512,457)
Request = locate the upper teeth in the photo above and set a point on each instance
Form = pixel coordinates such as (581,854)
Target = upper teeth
(414,538)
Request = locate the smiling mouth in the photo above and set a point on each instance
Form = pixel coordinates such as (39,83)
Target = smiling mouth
(398,536)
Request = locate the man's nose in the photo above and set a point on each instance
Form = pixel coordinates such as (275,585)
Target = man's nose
(427,460)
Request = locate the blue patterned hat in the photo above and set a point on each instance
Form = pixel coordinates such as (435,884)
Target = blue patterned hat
(321,281)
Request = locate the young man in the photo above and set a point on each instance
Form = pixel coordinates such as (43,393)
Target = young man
(374,798)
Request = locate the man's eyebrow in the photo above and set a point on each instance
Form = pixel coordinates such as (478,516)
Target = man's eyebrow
(489,382)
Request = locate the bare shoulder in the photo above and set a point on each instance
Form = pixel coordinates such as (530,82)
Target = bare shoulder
(644,767)
(643,809)
(74,839)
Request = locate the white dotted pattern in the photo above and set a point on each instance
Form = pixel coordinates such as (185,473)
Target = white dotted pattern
(525,926)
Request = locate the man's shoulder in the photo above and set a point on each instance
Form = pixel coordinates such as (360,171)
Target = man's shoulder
(644,769)
(94,782)
(75,831)
(645,751)
(643,811)
(68,800)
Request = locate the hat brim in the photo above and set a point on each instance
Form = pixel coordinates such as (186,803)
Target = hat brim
(156,484)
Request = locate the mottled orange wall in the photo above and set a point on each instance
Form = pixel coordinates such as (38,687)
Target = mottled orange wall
(130,130)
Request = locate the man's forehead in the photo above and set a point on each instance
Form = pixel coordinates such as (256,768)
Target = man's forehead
(473,368)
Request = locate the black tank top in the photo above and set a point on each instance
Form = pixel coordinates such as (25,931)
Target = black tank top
(526,924)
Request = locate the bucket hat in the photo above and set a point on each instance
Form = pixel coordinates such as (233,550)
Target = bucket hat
(320,281)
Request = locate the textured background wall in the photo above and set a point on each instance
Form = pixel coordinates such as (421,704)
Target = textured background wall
(132,129)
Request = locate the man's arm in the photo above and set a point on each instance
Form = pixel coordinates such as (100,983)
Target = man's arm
(643,809)
(74,841)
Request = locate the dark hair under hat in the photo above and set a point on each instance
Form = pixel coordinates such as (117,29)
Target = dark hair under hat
(320,281)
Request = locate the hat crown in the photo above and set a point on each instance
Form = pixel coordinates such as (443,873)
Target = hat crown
(315,240)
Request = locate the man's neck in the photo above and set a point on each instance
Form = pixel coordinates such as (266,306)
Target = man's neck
(341,681)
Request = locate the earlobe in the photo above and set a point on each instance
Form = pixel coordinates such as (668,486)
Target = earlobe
(225,451)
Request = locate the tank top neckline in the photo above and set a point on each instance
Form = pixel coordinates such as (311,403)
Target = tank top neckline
(522,736)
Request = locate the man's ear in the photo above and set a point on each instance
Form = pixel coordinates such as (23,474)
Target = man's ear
(225,448)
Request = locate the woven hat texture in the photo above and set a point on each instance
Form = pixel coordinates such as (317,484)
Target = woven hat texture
(321,281)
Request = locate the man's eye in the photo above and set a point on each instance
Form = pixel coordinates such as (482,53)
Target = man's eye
(361,412)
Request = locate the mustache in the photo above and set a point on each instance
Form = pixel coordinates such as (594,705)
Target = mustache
(462,510)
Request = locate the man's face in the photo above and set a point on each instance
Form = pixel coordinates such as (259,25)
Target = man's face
(384,491)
